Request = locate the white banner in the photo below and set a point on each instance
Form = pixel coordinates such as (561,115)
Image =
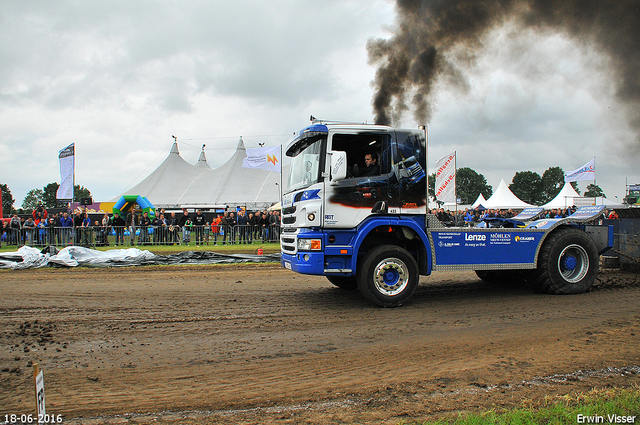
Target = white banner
(264,159)
(586,172)
(446,178)
(65,191)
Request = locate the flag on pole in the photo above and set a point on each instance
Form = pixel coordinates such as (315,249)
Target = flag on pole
(586,172)
(264,159)
(446,178)
(67,170)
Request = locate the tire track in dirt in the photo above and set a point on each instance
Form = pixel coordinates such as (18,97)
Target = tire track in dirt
(221,340)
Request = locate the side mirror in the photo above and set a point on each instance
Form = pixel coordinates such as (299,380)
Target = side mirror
(338,166)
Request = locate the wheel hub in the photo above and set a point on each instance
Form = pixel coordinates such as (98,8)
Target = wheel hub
(391,276)
(573,263)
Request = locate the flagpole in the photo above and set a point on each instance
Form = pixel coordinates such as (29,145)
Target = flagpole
(281,187)
(455,181)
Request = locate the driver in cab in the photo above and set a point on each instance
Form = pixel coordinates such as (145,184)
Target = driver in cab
(371,166)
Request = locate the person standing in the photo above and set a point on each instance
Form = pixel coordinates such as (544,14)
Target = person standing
(86,229)
(77,227)
(14,230)
(173,224)
(232,228)
(66,228)
(145,222)
(215,229)
(29,231)
(51,231)
(242,227)
(183,225)
(131,222)
(224,227)
(106,225)
(118,224)
(160,229)
(199,222)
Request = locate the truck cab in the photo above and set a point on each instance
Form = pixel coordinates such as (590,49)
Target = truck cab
(335,208)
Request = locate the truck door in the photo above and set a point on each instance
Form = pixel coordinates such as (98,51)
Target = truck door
(349,201)
(408,179)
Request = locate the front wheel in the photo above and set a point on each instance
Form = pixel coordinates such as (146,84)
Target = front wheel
(388,276)
(567,263)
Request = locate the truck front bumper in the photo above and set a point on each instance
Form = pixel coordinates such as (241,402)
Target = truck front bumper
(306,262)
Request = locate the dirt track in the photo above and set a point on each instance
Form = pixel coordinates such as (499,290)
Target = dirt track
(259,344)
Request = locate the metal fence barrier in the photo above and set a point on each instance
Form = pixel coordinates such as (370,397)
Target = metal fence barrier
(151,235)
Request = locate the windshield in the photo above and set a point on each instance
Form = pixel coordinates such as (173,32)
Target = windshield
(305,166)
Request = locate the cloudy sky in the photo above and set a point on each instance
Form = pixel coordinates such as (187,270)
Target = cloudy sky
(119,78)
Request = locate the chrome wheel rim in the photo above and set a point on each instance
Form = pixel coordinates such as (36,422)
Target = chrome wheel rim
(573,263)
(391,276)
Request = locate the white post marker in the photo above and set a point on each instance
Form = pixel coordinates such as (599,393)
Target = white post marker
(38,378)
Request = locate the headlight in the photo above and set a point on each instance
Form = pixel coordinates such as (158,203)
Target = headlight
(309,244)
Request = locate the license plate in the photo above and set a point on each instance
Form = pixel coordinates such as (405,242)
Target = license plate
(287,265)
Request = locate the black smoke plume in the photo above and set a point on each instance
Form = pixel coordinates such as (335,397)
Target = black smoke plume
(409,63)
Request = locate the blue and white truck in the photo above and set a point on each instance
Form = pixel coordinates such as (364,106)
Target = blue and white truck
(369,228)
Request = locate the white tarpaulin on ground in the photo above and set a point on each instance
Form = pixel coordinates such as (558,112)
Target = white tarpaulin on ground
(73,256)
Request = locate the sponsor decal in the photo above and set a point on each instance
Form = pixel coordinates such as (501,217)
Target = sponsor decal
(337,166)
(524,238)
(500,239)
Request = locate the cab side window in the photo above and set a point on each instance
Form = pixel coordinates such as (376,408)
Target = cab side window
(367,153)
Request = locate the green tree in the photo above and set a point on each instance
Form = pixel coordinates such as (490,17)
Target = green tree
(80,192)
(470,184)
(7,200)
(593,190)
(527,185)
(49,199)
(33,198)
(552,183)
(432,185)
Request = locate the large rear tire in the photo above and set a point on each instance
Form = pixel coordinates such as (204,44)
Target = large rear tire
(388,276)
(348,283)
(567,263)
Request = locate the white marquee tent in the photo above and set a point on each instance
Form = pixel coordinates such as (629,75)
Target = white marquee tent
(176,182)
(564,199)
(503,198)
(479,201)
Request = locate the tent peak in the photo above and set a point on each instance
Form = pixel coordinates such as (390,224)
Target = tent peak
(202,157)
(240,144)
(174,148)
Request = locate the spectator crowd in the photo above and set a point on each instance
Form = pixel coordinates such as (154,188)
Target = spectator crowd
(470,217)
(138,228)
(171,228)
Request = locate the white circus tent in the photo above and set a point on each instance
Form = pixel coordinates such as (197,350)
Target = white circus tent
(564,199)
(176,182)
(479,201)
(503,198)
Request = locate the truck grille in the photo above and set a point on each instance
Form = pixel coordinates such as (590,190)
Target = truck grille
(288,243)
